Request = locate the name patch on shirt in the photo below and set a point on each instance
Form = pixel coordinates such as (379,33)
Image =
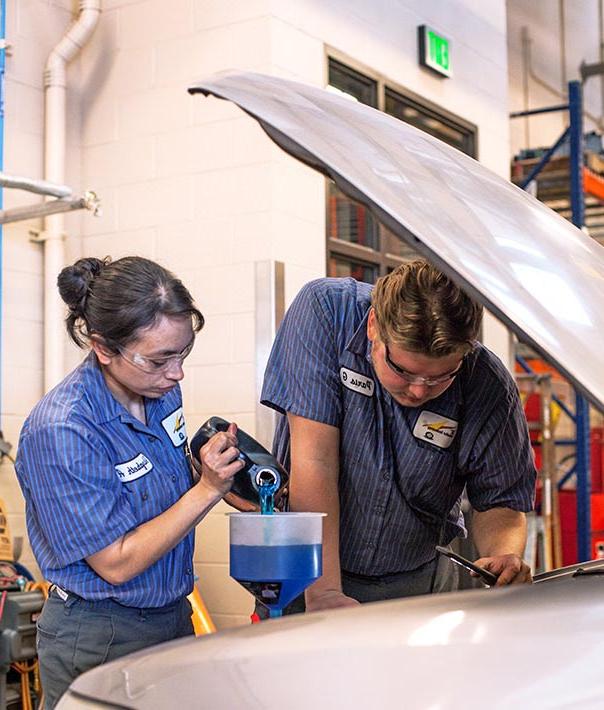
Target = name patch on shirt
(174,424)
(357,382)
(435,428)
(136,468)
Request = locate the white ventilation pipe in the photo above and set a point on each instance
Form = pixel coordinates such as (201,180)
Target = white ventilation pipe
(55,90)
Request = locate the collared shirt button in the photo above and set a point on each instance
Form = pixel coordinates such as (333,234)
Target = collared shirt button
(173,477)
(144,495)
(379,509)
(189,571)
(386,475)
(371,545)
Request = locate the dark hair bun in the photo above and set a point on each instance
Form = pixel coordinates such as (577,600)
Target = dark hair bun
(75,281)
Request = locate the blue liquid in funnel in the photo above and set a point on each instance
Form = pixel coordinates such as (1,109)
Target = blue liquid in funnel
(276,575)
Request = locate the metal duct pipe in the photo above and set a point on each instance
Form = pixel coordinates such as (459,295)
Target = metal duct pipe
(2,92)
(55,90)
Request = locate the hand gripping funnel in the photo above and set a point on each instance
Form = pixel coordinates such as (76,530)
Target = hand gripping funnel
(275,557)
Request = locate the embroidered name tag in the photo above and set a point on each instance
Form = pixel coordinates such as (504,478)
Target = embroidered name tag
(136,468)
(174,424)
(356,382)
(435,428)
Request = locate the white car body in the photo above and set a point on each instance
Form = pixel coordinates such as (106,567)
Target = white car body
(523,647)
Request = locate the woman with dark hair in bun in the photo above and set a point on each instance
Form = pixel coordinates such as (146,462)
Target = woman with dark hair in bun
(111,499)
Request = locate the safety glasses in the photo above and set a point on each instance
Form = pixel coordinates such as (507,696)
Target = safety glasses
(154,365)
(418,379)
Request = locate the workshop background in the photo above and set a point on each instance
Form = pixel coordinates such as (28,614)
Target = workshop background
(196,185)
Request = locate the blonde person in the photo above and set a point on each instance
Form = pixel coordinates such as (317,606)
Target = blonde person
(389,409)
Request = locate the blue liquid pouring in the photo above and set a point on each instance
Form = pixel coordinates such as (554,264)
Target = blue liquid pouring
(266,492)
(277,574)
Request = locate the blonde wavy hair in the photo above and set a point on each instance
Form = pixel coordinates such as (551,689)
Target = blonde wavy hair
(420,309)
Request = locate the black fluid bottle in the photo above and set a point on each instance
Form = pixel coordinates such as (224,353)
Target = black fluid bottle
(261,467)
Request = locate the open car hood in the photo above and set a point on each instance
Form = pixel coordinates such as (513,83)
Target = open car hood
(531,268)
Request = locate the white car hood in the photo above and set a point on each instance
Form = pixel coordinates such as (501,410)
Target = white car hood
(534,270)
(522,646)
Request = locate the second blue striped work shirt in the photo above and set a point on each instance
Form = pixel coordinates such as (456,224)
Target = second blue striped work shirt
(400,483)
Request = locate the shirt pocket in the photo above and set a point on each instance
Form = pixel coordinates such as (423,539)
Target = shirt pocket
(358,430)
(147,496)
(357,438)
(429,481)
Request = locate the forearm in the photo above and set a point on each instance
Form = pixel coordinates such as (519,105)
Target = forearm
(138,549)
(322,496)
(314,487)
(499,531)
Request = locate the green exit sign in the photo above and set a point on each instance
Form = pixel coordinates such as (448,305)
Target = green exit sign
(434,50)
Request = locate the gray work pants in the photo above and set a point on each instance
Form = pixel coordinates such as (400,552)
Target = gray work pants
(76,635)
(436,576)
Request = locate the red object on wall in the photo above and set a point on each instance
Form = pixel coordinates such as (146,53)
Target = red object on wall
(532,411)
(532,408)
(568,523)
(596,440)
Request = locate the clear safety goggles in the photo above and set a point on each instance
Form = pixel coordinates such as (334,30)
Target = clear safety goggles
(418,379)
(154,365)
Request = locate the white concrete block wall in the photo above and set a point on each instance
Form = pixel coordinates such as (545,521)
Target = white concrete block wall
(196,184)
(32,29)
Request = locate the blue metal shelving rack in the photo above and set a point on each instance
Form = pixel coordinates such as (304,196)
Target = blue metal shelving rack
(574,135)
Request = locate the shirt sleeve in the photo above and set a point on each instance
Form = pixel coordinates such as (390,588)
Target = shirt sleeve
(302,375)
(499,464)
(74,489)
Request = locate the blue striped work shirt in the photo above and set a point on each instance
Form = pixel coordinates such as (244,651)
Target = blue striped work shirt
(402,469)
(90,472)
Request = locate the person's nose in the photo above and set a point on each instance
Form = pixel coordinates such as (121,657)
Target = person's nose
(175,371)
(418,390)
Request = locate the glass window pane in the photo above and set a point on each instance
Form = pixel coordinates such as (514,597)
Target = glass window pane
(350,221)
(395,246)
(425,119)
(352,83)
(342,266)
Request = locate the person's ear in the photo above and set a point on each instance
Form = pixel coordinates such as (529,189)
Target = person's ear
(372,331)
(103,353)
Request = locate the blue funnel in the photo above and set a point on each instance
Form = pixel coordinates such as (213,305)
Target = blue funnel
(276,556)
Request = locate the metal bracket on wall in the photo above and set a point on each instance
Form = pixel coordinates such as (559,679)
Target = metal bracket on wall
(587,70)
(39,236)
